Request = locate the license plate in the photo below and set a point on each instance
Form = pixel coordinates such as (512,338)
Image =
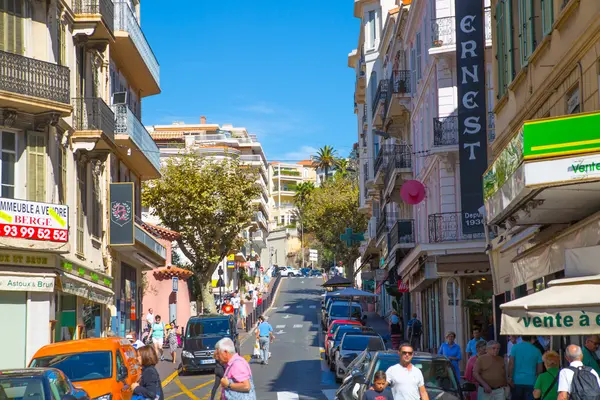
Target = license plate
(210,361)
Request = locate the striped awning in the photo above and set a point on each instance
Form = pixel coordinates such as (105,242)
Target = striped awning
(167,135)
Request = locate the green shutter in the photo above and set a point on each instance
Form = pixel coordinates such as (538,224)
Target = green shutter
(526,30)
(418,43)
(547,16)
(508,33)
(36,166)
(500,49)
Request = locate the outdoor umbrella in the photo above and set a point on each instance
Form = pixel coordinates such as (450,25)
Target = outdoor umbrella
(337,281)
(353,292)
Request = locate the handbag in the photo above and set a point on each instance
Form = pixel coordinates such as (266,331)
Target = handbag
(233,395)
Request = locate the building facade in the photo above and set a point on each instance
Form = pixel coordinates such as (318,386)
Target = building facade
(540,191)
(284,178)
(407,107)
(72,79)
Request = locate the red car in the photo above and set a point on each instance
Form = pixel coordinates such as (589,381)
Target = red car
(332,327)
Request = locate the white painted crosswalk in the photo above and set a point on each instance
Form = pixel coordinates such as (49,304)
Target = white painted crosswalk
(299,306)
(313,306)
(280,326)
(297,325)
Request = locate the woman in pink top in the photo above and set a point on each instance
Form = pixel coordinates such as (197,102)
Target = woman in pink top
(238,375)
(480,347)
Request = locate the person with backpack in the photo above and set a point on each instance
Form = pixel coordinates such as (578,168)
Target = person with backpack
(577,382)
(415,329)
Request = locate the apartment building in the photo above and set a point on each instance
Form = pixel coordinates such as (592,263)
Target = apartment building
(408,104)
(72,78)
(284,178)
(218,142)
(541,190)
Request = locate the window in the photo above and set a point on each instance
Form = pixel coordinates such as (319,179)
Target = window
(373,88)
(97,209)
(11,26)
(36,166)
(413,71)
(418,52)
(81,205)
(62,174)
(547,16)
(504,56)
(573,105)
(372,30)
(85,366)
(7,167)
(526,31)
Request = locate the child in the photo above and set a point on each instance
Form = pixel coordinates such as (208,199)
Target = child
(378,391)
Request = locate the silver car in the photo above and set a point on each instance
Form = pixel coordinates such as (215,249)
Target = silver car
(352,344)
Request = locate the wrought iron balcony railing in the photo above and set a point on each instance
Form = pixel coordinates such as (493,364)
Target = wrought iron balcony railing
(385,152)
(105,8)
(380,95)
(403,232)
(447,227)
(35,78)
(491,127)
(92,113)
(125,20)
(443,32)
(400,159)
(128,123)
(259,217)
(382,228)
(445,131)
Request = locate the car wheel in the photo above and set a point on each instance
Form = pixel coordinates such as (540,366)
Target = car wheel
(332,364)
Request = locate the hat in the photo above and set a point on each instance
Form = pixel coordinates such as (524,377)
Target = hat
(130,337)
(168,326)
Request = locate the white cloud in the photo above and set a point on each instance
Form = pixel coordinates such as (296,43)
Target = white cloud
(303,153)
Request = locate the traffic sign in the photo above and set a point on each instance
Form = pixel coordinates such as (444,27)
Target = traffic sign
(175,281)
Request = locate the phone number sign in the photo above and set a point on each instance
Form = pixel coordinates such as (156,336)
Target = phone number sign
(32,220)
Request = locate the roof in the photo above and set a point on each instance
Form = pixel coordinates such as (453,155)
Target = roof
(161,232)
(308,163)
(26,371)
(171,271)
(82,345)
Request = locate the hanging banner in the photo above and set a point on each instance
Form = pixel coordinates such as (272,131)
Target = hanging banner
(23,219)
(122,228)
(472,123)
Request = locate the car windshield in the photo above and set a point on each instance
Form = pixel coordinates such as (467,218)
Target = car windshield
(12,387)
(341,310)
(79,366)
(343,329)
(437,374)
(335,326)
(355,342)
(208,327)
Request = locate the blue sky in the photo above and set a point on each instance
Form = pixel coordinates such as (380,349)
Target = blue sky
(278,68)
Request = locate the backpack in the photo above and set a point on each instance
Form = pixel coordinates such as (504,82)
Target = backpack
(416,328)
(584,385)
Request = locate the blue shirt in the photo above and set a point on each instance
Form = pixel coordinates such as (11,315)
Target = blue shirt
(526,358)
(452,351)
(472,345)
(394,319)
(264,329)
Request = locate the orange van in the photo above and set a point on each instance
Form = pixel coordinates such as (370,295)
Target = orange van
(103,367)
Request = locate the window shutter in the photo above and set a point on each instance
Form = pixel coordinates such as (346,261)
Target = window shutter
(500,48)
(418,40)
(19,47)
(3,17)
(526,30)
(508,37)
(547,16)
(413,72)
(36,166)
(530,28)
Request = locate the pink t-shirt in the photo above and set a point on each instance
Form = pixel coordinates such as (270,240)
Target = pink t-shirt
(469,375)
(238,370)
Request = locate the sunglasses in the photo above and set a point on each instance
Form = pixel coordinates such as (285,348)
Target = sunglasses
(407,353)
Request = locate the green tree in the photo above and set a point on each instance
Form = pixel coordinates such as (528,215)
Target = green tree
(208,202)
(330,209)
(325,159)
(342,167)
(303,192)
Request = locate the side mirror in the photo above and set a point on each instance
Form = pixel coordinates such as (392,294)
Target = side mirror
(468,387)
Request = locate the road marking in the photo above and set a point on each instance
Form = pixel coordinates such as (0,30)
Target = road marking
(274,308)
(302,282)
(313,306)
(298,326)
(186,390)
(280,327)
(285,307)
(211,381)
(169,378)
(286,316)
(299,306)
(280,332)
(287,396)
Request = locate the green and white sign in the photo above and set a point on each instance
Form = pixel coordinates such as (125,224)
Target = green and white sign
(26,284)
(563,170)
(564,322)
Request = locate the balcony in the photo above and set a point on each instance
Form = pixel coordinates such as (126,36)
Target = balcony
(447,227)
(382,228)
(287,174)
(399,165)
(258,237)
(135,143)
(402,235)
(491,127)
(378,106)
(145,239)
(133,53)
(260,219)
(397,103)
(445,133)
(94,124)
(94,18)
(443,33)
(33,86)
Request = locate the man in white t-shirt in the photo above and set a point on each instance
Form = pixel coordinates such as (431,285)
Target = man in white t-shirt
(235,302)
(574,356)
(406,380)
(150,317)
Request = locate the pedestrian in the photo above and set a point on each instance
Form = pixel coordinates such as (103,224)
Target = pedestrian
(524,364)
(255,298)
(415,329)
(172,340)
(243,314)
(395,330)
(452,351)
(157,333)
(259,301)
(219,374)
(227,308)
(132,337)
(512,340)
(264,334)
(150,386)
(490,373)
(237,383)
(481,350)
(577,381)
(149,318)
(590,358)
(546,385)
(406,380)
(471,346)
(235,302)
(379,390)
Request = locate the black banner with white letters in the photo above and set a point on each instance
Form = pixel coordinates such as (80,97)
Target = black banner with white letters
(472,132)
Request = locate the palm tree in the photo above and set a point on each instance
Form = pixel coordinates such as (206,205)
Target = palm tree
(325,159)
(342,166)
(303,191)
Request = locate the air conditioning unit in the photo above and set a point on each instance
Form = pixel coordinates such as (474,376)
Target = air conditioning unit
(119,98)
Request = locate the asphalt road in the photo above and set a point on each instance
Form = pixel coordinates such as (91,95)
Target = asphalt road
(296,370)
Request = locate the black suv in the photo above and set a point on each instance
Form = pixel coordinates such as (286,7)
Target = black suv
(201,335)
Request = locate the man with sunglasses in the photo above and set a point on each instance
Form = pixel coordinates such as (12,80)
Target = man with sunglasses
(406,380)
(590,357)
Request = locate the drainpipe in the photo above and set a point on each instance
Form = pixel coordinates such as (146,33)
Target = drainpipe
(580,86)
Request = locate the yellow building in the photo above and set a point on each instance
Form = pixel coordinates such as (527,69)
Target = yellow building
(284,178)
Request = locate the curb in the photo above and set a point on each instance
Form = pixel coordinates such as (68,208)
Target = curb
(267,310)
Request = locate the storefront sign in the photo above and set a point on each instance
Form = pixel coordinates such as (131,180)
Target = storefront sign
(32,220)
(26,284)
(230,264)
(403,287)
(122,229)
(472,134)
(565,322)
(27,259)
(563,170)
(101,297)
(87,274)
(74,287)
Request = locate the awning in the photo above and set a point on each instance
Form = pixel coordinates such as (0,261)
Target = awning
(568,307)
(74,285)
(167,135)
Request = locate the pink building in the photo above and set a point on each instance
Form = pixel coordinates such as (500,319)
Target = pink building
(158,286)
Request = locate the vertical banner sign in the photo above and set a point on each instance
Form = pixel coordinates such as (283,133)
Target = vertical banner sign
(472,124)
(122,229)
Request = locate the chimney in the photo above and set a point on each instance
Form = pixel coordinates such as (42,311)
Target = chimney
(203,120)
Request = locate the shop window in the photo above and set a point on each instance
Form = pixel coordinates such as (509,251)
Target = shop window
(92,319)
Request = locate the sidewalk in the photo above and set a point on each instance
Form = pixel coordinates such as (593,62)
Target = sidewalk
(380,326)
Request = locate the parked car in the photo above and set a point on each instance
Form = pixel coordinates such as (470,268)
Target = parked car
(335,341)
(38,384)
(352,344)
(289,271)
(316,272)
(201,335)
(343,310)
(440,379)
(104,367)
(329,335)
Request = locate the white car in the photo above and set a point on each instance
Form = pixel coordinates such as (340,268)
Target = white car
(289,271)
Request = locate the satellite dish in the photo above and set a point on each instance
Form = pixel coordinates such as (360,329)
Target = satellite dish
(412,192)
